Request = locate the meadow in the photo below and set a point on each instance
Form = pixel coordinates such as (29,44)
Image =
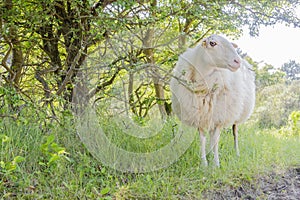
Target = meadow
(53,163)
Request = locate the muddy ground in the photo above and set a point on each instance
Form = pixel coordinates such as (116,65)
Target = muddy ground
(281,185)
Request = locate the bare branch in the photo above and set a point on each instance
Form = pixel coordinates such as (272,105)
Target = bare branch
(44,83)
(4,60)
(103,85)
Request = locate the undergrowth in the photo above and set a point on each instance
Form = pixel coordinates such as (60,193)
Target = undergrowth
(54,164)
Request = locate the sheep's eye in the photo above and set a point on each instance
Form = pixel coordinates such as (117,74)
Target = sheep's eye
(212,43)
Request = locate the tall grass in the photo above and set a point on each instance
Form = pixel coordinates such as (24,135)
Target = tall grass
(54,164)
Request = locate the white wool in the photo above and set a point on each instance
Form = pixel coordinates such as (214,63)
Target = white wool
(205,93)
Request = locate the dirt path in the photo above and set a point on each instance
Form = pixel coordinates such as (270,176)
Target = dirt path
(283,186)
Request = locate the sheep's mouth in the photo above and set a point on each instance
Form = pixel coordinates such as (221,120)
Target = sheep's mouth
(233,69)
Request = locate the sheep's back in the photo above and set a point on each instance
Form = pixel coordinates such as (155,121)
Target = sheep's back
(248,85)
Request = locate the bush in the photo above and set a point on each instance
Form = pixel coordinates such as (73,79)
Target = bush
(275,104)
(295,122)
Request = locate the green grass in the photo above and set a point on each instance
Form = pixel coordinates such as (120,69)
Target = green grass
(54,164)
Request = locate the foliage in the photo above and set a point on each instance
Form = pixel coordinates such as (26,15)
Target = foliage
(292,70)
(295,122)
(47,46)
(277,97)
(9,167)
(275,103)
(266,75)
(52,152)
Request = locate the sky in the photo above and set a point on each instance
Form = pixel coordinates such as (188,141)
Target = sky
(274,45)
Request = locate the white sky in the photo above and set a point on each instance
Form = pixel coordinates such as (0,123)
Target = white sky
(274,45)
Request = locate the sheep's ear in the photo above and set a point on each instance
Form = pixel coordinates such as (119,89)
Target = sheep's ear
(234,45)
(204,43)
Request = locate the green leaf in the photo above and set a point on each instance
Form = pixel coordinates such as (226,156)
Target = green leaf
(105,191)
(4,138)
(62,151)
(2,164)
(42,163)
(50,139)
(18,159)
(53,159)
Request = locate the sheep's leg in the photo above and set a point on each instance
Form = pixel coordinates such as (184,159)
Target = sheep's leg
(203,143)
(214,145)
(235,136)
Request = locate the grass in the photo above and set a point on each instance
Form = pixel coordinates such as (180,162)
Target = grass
(54,164)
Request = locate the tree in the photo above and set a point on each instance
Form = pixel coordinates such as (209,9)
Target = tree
(55,36)
(15,48)
(292,70)
(46,44)
(265,75)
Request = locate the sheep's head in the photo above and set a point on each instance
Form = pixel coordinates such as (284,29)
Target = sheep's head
(221,53)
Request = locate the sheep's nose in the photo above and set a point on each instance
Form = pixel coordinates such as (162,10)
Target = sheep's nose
(237,61)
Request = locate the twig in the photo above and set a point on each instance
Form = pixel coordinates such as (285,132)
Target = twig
(4,60)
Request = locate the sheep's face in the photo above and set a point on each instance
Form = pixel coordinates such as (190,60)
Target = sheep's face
(221,53)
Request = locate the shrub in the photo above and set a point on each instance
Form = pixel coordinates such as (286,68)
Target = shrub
(275,104)
(295,122)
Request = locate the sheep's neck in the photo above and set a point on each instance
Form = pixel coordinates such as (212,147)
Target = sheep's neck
(195,57)
(200,74)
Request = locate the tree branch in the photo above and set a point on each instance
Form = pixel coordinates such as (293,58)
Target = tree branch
(44,83)
(4,60)
(69,73)
(103,85)
(102,4)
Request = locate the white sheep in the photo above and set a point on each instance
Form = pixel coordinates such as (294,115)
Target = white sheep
(212,88)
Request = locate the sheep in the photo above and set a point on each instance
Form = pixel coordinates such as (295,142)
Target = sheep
(212,88)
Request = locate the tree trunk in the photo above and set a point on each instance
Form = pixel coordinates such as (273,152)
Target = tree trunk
(156,77)
(183,33)
(17,55)
(160,95)
(130,93)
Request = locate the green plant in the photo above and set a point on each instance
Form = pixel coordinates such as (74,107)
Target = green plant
(52,152)
(295,122)
(273,108)
(62,168)
(9,167)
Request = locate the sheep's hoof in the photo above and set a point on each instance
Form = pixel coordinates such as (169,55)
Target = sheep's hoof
(217,164)
(204,162)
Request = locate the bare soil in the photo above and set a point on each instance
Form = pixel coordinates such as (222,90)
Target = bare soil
(283,186)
